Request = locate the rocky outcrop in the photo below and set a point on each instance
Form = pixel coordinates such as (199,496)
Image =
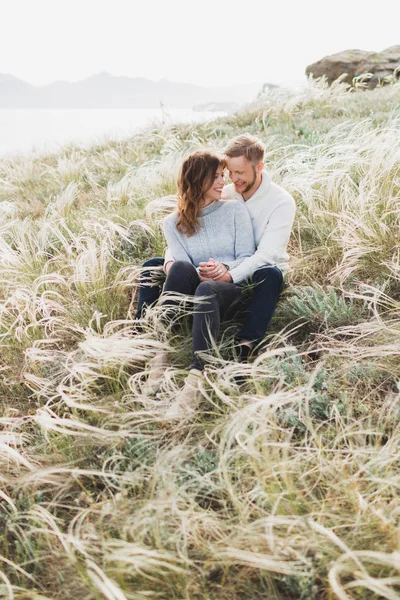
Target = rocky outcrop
(356,63)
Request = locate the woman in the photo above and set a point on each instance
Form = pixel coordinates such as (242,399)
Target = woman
(203,228)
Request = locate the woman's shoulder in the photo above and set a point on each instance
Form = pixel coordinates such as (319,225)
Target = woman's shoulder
(233,205)
(171,219)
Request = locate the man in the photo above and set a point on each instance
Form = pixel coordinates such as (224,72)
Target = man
(272,211)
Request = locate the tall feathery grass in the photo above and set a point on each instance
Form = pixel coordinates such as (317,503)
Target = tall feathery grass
(286,486)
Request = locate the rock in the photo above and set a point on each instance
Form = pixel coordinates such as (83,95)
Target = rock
(381,65)
(357,62)
(336,64)
(268,86)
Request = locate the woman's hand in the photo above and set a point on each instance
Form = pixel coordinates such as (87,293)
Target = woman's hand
(214,270)
(167,266)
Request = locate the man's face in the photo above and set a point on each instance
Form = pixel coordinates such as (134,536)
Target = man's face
(243,173)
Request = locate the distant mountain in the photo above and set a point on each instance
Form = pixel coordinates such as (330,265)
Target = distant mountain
(13,89)
(107,91)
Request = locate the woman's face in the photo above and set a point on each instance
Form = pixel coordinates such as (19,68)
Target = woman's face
(215,191)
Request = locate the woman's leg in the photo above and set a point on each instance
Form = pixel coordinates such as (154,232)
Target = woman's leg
(182,281)
(213,300)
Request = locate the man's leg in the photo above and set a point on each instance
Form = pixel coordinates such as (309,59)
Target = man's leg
(214,299)
(268,283)
(149,288)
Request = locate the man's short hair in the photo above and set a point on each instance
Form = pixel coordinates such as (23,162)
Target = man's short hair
(248,146)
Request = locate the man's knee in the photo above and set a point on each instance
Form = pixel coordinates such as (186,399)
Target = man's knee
(153,262)
(151,272)
(271,276)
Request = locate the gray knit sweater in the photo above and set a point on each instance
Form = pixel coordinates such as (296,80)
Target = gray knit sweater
(226,234)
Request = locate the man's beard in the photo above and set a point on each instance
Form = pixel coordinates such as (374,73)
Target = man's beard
(250,185)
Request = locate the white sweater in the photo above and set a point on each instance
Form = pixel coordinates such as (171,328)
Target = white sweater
(272,211)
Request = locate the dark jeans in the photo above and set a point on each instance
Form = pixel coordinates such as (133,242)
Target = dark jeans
(212,300)
(151,284)
(263,289)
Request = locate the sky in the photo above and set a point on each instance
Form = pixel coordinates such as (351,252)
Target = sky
(206,42)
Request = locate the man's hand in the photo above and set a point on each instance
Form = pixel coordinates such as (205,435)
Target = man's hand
(214,270)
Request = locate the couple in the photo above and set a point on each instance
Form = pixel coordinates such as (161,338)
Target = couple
(216,246)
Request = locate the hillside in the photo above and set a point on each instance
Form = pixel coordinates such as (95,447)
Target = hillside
(104,90)
(285,487)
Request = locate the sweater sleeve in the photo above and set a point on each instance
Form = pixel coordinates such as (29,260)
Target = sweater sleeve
(272,246)
(175,246)
(168,256)
(244,236)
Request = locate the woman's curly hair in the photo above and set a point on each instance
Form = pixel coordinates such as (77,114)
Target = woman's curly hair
(195,178)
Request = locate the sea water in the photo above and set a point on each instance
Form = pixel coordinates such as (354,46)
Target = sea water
(46,130)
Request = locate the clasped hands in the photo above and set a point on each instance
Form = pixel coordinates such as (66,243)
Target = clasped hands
(213,270)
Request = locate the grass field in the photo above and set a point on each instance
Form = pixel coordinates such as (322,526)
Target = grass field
(287,487)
